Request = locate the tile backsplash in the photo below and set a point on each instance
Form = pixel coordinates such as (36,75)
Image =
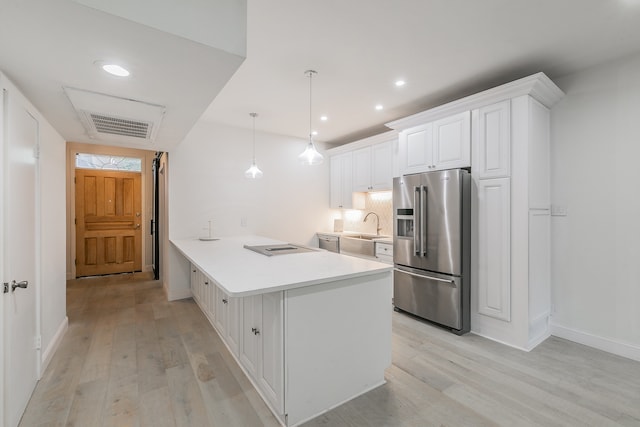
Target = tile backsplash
(379,202)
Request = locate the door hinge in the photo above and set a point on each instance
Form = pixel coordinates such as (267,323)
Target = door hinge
(36,152)
(75,262)
(37,342)
(75,221)
(5,288)
(74,179)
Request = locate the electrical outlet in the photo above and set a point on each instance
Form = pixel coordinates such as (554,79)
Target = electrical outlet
(558,210)
(243,221)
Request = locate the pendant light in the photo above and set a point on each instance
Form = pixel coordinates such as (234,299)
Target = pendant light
(310,155)
(253,172)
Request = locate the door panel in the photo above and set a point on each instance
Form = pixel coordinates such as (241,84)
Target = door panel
(443,222)
(21,357)
(108,216)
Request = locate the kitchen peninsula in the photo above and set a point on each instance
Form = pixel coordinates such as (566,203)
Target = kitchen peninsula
(311,330)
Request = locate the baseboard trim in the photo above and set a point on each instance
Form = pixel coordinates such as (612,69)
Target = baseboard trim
(618,348)
(499,341)
(147,268)
(47,355)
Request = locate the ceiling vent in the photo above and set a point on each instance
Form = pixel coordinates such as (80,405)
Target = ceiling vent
(113,118)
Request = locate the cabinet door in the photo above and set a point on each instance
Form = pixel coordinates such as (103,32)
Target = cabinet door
(341,181)
(452,142)
(194,280)
(233,325)
(494,248)
(270,360)
(362,169)
(251,316)
(336,182)
(207,299)
(492,140)
(416,146)
(382,166)
(221,303)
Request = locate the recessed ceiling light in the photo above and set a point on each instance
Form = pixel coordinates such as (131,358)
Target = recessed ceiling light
(314,133)
(115,70)
(324,118)
(379,107)
(400,83)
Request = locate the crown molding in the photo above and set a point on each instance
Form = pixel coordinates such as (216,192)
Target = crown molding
(538,86)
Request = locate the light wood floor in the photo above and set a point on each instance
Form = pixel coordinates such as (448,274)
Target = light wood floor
(130,358)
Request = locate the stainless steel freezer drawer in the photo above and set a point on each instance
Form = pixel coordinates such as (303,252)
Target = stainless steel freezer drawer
(435,297)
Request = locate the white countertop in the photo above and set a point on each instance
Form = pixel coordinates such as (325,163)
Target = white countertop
(242,272)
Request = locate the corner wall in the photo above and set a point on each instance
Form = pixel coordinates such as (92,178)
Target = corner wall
(595,258)
(207,182)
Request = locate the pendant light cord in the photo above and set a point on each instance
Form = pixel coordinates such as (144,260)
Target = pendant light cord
(310,73)
(254,136)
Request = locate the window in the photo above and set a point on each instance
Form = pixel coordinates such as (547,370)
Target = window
(105,161)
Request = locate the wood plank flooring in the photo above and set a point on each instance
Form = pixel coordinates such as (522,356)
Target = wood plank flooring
(130,358)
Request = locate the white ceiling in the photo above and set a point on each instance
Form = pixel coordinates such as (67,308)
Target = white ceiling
(444,49)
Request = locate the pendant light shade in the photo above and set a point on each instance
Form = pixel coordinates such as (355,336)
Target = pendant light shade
(253,172)
(310,156)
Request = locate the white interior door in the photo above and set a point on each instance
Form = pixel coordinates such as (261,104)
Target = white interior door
(19,200)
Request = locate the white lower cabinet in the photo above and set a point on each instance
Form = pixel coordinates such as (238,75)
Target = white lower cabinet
(203,291)
(232,337)
(494,248)
(261,344)
(253,330)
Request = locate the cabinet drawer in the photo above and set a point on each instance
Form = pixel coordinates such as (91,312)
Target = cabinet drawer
(384,249)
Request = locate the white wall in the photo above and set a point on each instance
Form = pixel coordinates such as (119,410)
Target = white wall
(53,238)
(206,181)
(595,175)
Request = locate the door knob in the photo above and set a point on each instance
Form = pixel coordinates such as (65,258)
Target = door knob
(22,285)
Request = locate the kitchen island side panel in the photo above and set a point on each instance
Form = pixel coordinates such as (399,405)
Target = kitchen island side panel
(337,343)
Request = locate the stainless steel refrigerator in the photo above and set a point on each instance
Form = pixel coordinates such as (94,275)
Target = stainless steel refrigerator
(431,246)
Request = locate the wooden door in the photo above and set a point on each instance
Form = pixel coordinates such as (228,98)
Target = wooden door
(20,302)
(108,222)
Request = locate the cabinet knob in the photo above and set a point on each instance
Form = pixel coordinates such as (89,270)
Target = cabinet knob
(224,300)
(206,283)
(255,331)
(193,271)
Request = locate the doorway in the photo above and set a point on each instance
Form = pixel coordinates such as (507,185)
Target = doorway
(108,222)
(109,210)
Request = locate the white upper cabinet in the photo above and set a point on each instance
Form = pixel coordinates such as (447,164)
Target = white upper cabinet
(341,181)
(492,140)
(443,144)
(373,168)
(452,142)
(362,169)
(416,149)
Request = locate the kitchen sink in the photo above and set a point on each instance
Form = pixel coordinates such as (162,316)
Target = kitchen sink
(359,244)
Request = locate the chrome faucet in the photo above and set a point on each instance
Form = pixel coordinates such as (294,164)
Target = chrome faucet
(378,228)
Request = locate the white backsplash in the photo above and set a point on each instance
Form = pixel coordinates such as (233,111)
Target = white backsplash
(379,202)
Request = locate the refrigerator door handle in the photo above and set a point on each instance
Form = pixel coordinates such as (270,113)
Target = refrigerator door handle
(437,279)
(417,214)
(423,220)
